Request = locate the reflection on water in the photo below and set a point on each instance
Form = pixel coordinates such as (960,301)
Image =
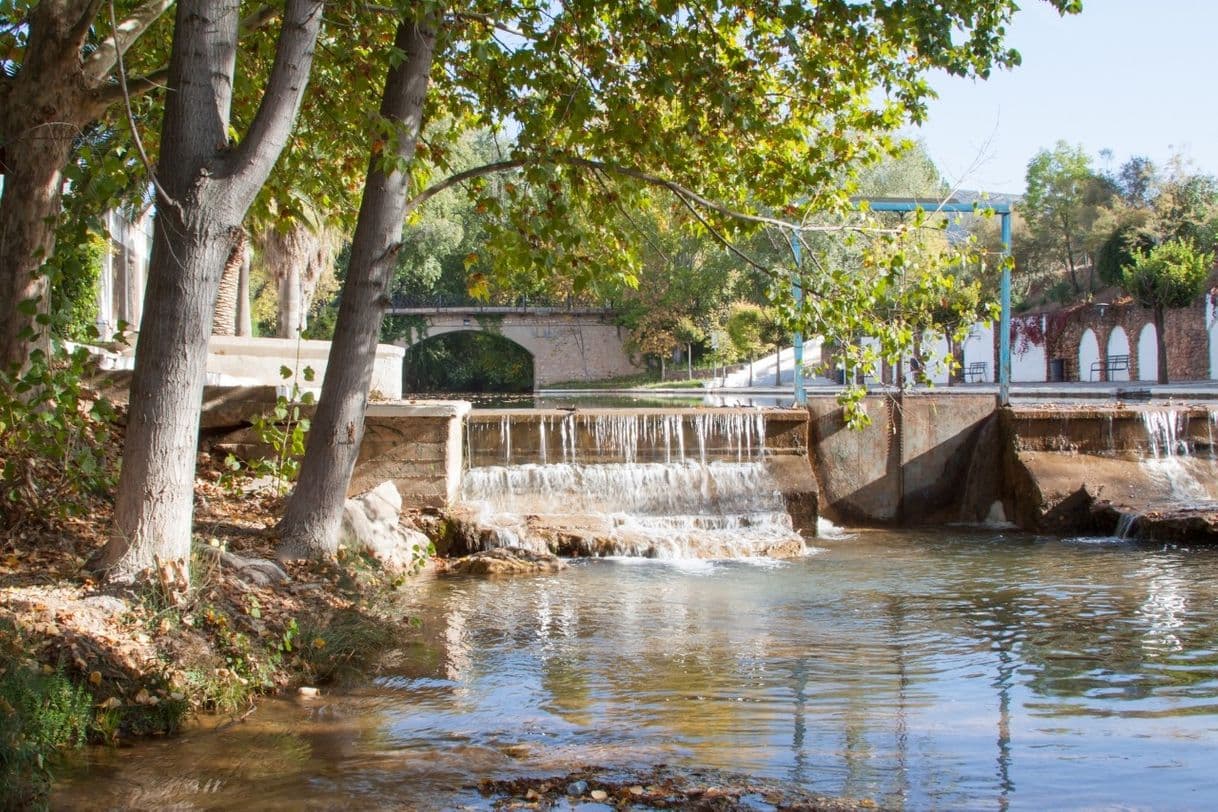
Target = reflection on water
(919,670)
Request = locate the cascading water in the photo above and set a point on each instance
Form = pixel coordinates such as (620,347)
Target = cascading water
(658,485)
(1171,460)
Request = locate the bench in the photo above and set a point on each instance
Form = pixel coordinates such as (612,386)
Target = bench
(977,372)
(1113,363)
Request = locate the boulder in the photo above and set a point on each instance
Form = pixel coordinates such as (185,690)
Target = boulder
(372,522)
(259,571)
(505,561)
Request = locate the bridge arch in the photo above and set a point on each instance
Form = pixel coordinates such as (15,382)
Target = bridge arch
(467,361)
(565,344)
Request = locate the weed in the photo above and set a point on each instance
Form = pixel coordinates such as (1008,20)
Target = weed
(55,449)
(344,647)
(42,712)
(283,431)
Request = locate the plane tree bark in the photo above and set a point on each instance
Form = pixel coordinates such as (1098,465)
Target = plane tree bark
(44,106)
(309,528)
(208,185)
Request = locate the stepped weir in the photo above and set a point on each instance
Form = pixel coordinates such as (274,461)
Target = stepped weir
(657,483)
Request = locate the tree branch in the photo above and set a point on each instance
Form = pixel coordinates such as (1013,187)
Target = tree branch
(257,152)
(88,13)
(100,64)
(135,134)
(107,95)
(459,178)
(487,20)
(724,241)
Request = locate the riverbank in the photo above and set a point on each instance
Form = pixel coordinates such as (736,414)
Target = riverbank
(84,662)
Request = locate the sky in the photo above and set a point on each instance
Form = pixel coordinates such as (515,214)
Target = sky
(1133,76)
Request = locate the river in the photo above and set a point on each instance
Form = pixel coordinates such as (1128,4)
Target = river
(946,669)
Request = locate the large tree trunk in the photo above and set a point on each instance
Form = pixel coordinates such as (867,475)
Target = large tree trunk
(211,187)
(42,109)
(156,488)
(311,522)
(1160,316)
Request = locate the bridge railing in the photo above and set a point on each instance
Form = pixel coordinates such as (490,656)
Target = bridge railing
(519,304)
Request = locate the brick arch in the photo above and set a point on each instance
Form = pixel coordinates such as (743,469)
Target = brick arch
(443,332)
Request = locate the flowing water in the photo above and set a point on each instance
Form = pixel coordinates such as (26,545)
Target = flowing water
(1186,474)
(664,484)
(945,669)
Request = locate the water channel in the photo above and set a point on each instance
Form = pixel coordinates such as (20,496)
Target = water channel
(950,669)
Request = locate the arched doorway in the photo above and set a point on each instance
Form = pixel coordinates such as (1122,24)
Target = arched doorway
(1088,354)
(1214,351)
(1118,344)
(1148,353)
(467,362)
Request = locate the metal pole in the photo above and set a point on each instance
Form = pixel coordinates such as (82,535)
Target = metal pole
(1004,325)
(797,291)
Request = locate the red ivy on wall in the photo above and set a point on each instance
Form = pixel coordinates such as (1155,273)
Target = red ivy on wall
(1026,332)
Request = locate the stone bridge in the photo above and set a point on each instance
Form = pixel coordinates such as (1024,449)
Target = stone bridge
(566,344)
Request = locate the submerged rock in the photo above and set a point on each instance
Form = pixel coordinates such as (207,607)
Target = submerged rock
(504,561)
(1195,524)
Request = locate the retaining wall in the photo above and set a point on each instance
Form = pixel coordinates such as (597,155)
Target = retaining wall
(908,466)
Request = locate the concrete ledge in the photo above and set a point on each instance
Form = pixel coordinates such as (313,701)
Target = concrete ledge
(259,360)
(419,408)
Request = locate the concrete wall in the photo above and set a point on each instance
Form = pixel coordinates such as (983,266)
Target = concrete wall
(417,446)
(498,437)
(258,361)
(909,466)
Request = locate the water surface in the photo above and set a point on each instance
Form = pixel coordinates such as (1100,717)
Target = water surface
(944,669)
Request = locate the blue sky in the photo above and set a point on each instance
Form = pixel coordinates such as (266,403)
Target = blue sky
(1132,76)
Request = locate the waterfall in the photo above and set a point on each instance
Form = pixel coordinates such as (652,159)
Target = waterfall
(1171,462)
(1167,432)
(678,510)
(661,484)
(1125,525)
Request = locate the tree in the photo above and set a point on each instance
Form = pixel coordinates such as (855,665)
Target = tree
(735,109)
(1062,202)
(1169,275)
(206,186)
(1117,251)
(1136,181)
(58,74)
(338,426)
(297,258)
(688,333)
(746,327)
